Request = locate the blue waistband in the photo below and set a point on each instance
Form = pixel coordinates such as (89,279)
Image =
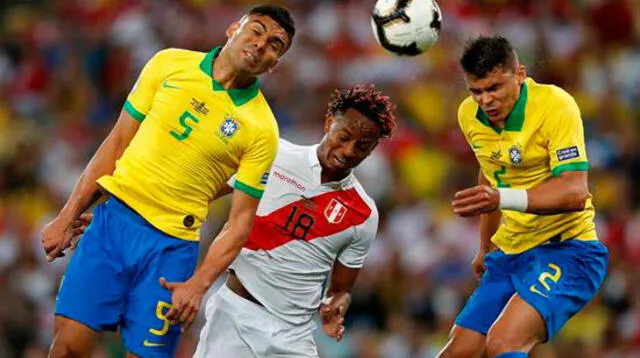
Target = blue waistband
(121,207)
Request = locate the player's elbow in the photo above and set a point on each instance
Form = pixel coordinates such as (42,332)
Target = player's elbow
(577,198)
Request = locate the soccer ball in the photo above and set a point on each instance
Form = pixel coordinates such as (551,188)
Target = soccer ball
(406,27)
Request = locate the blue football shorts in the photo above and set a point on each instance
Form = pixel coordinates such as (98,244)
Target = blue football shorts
(112,279)
(556,279)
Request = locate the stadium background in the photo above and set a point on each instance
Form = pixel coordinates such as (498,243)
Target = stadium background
(67,65)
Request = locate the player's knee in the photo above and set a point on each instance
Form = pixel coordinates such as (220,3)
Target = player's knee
(63,350)
(498,344)
(457,348)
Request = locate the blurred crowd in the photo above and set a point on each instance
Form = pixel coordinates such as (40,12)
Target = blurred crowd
(66,67)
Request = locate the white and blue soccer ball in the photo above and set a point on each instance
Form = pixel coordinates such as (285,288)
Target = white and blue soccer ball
(406,27)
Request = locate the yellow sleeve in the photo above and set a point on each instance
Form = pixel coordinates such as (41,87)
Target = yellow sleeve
(139,101)
(253,171)
(565,136)
(463,109)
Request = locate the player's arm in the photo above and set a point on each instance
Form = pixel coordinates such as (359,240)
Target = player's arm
(224,249)
(57,235)
(489,223)
(566,191)
(248,185)
(338,299)
(345,271)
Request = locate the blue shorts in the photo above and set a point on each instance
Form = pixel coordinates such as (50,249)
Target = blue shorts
(557,279)
(112,279)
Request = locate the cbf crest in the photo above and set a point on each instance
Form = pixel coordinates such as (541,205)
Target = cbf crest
(515,155)
(229,127)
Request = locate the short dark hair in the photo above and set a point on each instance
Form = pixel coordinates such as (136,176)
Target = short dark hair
(367,100)
(484,54)
(279,14)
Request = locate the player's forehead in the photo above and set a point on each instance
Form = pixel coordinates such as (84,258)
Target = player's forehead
(358,124)
(268,24)
(496,76)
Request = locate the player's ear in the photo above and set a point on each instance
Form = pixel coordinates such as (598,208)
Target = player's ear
(273,66)
(521,72)
(232,29)
(328,121)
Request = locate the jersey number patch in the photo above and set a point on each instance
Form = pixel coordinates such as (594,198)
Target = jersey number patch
(298,225)
(184,118)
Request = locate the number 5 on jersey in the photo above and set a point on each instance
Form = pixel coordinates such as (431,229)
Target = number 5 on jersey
(184,118)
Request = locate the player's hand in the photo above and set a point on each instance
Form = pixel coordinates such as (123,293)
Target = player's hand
(79,226)
(477,264)
(474,201)
(185,301)
(332,311)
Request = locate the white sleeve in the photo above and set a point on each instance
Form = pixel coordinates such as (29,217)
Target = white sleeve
(354,254)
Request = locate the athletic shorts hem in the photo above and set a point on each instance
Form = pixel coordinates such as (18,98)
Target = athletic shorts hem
(466,326)
(83,322)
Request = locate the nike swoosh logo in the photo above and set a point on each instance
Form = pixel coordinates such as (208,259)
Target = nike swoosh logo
(166,84)
(535,290)
(146,343)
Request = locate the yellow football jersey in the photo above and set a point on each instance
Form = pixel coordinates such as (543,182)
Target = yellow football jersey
(542,137)
(194,135)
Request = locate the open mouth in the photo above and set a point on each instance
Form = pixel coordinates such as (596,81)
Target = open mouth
(341,162)
(493,112)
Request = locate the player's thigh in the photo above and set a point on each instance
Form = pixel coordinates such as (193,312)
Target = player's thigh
(71,339)
(489,298)
(231,330)
(292,342)
(464,343)
(92,287)
(518,329)
(560,280)
(145,330)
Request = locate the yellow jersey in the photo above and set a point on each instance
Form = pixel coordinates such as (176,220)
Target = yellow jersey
(542,138)
(194,135)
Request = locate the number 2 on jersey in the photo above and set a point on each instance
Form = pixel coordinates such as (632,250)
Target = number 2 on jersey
(497,174)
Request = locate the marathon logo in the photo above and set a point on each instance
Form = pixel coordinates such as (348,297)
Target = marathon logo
(289,180)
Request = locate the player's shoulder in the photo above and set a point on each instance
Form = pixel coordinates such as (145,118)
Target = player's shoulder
(549,95)
(291,155)
(368,200)
(467,108)
(177,54)
(467,111)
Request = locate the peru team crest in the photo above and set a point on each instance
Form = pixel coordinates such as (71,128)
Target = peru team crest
(335,212)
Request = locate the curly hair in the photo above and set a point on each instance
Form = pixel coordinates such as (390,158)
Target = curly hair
(367,100)
(484,54)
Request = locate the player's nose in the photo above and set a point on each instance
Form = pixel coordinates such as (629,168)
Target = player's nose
(485,99)
(260,43)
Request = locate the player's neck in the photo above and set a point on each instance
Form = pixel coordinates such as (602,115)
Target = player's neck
(328,176)
(498,123)
(228,77)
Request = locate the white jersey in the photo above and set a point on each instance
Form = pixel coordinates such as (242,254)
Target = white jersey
(300,229)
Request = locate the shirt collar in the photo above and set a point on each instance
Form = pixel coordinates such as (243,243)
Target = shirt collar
(239,96)
(515,119)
